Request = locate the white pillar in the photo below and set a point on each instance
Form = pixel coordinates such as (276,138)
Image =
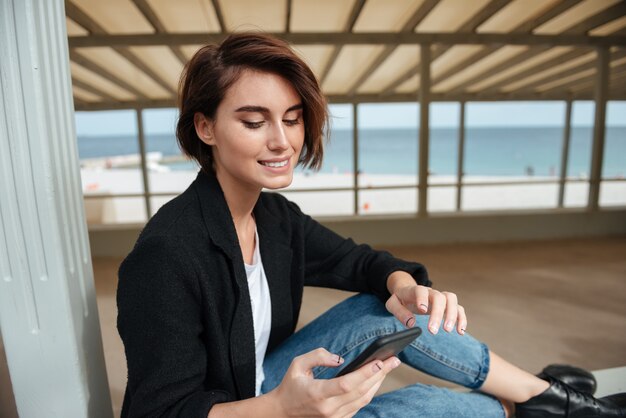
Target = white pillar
(48,312)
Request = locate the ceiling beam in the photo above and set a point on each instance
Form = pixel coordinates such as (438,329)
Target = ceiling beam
(94,90)
(409,26)
(354,15)
(77,15)
(619,94)
(158,26)
(524,28)
(219,15)
(542,66)
(580,28)
(288,16)
(83,61)
(617,71)
(607,15)
(361,38)
(566,73)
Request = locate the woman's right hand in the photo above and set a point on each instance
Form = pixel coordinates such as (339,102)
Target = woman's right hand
(300,394)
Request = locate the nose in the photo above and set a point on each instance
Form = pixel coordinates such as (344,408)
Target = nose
(277,140)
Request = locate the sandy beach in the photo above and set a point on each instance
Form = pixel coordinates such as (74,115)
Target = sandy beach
(112,210)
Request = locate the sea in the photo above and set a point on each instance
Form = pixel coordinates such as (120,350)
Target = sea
(488,151)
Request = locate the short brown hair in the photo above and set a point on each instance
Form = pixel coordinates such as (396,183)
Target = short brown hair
(215,68)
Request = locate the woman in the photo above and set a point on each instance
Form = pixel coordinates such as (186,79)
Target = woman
(209,297)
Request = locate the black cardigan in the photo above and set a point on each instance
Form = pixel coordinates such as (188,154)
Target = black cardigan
(184,311)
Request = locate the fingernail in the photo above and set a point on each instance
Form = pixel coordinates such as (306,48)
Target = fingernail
(395,362)
(462,331)
(378,366)
(423,307)
(410,322)
(448,326)
(433,328)
(339,359)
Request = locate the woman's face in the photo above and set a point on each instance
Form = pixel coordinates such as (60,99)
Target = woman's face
(257,134)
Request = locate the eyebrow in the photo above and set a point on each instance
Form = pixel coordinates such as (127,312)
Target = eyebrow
(261,109)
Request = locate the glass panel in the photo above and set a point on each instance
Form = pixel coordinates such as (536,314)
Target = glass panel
(323,203)
(579,164)
(444,142)
(110,165)
(169,171)
(613,193)
(442,199)
(114,210)
(614,164)
(532,196)
(388,143)
(337,167)
(576,194)
(375,202)
(513,139)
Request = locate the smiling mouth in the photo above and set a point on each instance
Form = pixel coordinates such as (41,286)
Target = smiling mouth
(275,164)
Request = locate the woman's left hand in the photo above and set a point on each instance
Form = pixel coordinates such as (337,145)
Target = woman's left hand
(408,298)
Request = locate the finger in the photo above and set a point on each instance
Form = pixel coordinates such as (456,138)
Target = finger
(364,391)
(422,299)
(318,357)
(437,309)
(461,321)
(401,312)
(346,384)
(451,311)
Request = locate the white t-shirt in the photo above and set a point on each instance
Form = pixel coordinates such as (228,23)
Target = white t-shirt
(261,310)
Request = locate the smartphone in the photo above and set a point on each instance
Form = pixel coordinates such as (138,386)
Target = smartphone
(383,348)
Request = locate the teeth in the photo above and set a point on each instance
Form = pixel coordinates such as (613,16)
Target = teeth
(276,164)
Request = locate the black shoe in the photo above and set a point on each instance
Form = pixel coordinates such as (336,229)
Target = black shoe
(560,400)
(574,377)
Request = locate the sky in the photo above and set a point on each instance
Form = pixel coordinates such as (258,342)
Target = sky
(372,116)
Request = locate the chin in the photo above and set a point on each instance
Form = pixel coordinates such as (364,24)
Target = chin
(276,184)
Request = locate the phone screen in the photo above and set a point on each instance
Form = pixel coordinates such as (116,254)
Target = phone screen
(383,348)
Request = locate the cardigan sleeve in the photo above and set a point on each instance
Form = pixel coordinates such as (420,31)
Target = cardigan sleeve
(159,321)
(337,262)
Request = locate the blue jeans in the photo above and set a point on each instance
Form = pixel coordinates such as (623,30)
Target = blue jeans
(348,328)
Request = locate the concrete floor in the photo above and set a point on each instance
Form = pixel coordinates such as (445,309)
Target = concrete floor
(534,303)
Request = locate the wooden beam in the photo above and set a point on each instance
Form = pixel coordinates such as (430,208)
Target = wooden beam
(581,28)
(473,24)
(80,59)
(158,26)
(541,18)
(605,16)
(288,16)
(567,56)
(566,73)
(409,26)
(93,90)
(354,15)
(76,14)
(219,15)
(597,152)
(512,62)
(361,38)
(393,98)
(424,131)
(526,27)
(613,71)
(565,152)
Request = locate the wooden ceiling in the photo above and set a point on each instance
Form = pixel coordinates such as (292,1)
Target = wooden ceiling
(130,53)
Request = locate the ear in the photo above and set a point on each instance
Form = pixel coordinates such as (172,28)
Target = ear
(204,128)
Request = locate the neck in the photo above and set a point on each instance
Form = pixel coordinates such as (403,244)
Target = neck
(240,199)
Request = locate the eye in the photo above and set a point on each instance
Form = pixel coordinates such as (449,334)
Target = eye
(252,125)
(291,122)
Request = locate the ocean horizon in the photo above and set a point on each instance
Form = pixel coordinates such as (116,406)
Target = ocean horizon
(512,151)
